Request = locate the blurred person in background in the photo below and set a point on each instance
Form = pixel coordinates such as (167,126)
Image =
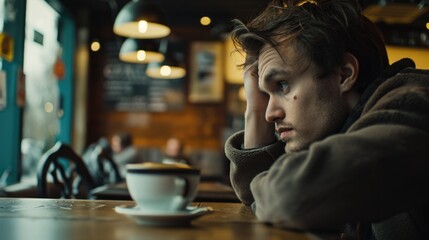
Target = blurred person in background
(174,152)
(124,152)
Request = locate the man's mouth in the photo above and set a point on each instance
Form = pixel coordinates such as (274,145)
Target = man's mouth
(285,133)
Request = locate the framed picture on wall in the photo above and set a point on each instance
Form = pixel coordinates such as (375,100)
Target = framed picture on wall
(206,77)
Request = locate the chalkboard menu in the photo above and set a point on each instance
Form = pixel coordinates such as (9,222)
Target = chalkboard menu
(128,88)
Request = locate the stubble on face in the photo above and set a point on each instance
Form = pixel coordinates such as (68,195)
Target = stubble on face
(320,112)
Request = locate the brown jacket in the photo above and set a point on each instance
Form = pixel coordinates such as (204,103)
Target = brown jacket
(373,172)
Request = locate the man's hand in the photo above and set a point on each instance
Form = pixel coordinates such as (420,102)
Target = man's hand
(257,132)
(257,101)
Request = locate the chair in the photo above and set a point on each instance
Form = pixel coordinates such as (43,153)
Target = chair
(107,171)
(68,171)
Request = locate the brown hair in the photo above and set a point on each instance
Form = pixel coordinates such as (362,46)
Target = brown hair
(321,30)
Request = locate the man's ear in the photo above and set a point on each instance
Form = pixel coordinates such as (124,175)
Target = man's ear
(349,72)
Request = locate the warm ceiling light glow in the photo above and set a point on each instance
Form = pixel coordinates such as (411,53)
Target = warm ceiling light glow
(427,25)
(165,71)
(95,46)
(136,30)
(170,68)
(141,55)
(205,21)
(142,26)
(139,51)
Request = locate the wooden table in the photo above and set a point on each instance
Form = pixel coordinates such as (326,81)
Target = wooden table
(46,219)
(208,191)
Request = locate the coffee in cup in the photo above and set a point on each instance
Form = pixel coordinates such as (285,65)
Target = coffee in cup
(162,187)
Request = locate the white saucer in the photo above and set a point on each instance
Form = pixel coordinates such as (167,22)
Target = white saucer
(171,219)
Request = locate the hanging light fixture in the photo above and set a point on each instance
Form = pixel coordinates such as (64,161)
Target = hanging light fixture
(140,51)
(170,68)
(140,19)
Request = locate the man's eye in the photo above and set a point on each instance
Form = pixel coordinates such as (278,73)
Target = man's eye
(284,87)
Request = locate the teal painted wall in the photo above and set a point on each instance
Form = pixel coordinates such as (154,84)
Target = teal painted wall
(66,85)
(11,116)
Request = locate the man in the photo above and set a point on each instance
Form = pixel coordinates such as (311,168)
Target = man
(124,151)
(333,136)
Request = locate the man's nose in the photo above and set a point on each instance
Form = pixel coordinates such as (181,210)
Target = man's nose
(275,111)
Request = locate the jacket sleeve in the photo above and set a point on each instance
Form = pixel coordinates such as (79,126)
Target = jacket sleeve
(247,163)
(377,169)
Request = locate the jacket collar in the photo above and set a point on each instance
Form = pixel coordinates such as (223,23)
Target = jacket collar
(390,71)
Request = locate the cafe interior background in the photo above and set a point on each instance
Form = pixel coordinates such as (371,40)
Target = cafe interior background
(66,75)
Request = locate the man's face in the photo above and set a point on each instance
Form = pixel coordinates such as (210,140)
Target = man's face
(173,148)
(116,144)
(304,108)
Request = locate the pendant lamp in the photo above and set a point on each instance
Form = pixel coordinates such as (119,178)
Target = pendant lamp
(140,19)
(140,51)
(170,68)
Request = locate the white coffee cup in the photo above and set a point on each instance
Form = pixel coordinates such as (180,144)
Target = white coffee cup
(161,187)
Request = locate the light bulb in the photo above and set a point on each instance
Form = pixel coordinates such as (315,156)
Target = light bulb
(142,26)
(141,55)
(95,46)
(205,21)
(165,70)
